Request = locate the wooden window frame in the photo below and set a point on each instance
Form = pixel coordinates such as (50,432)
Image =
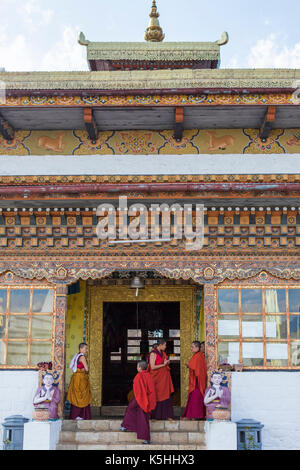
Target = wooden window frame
(263,314)
(30,315)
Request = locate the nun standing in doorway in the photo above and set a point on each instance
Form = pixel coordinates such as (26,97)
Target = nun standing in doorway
(79,393)
(195,408)
(159,369)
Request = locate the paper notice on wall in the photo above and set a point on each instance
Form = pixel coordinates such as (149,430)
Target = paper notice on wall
(2,350)
(271,329)
(134,333)
(233,353)
(253,350)
(228,328)
(277,351)
(252,329)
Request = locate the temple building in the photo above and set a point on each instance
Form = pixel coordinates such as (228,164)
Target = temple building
(160,125)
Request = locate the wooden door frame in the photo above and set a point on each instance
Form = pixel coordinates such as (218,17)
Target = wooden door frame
(97,295)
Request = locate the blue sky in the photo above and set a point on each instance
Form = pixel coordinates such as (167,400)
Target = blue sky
(42,34)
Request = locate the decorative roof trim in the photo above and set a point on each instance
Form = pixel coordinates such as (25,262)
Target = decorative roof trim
(188,51)
(153,80)
(153,51)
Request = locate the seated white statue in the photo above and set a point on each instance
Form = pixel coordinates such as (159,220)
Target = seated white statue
(216,395)
(48,396)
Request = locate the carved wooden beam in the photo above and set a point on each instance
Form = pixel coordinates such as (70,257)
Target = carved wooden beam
(90,124)
(178,128)
(6,130)
(269,119)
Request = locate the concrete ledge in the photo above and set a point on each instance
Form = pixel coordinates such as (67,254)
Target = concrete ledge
(41,435)
(221,435)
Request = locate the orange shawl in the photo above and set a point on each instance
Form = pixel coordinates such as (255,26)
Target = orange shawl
(162,380)
(197,367)
(144,391)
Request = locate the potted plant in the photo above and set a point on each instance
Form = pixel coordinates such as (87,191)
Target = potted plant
(44,366)
(7,443)
(221,414)
(225,366)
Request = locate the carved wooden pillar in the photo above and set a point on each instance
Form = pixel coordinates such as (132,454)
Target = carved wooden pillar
(60,340)
(209,314)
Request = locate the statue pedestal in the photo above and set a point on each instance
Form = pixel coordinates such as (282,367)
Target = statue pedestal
(221,435)
(41,435)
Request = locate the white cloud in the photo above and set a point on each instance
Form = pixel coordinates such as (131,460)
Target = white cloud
(31,6)
(66,54)
(14,54)
(233,63)
(269,53)
(47,16)
(34,15)
(19,54)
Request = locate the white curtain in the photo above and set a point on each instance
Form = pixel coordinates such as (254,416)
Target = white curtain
(47,303)
(272,306)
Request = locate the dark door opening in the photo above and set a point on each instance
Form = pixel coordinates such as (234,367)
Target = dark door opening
(129,331)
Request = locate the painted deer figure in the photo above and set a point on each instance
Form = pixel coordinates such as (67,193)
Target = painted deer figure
(219,143)
(50,143)
(294,140)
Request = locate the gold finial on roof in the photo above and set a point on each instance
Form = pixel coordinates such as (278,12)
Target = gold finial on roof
(154,32)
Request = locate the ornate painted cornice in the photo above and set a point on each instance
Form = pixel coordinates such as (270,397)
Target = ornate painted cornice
(68,100)
(215,273)
(201,272)
(117,179)
(153,80)
(55,272)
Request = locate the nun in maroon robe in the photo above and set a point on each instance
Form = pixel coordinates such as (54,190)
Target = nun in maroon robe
(137,414)
(160,372)
(195,408)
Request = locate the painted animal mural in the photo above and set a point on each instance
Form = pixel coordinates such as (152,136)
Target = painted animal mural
(145,142)
(50,143)
(294,140)
(219,143)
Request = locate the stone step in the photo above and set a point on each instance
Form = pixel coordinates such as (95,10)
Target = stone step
(130,446)
(115,437)
(105,434)
(114,425)
(111,411)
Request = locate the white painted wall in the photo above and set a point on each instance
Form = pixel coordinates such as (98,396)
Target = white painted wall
(273,398)
(17,389)
(148,164)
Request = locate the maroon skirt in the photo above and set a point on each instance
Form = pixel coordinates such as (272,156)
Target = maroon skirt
(84,413)
(163,410)
(195,408)
(136,420)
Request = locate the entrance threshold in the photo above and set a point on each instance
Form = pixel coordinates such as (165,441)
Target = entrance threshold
(117,411)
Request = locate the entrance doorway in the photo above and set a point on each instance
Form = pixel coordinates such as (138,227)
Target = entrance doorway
(129,331)
(97,296)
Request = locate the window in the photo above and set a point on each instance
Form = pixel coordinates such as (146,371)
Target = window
(259,327)
(26,326)
(137,349)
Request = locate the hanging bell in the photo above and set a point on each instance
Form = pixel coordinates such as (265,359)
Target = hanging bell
(137,283)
